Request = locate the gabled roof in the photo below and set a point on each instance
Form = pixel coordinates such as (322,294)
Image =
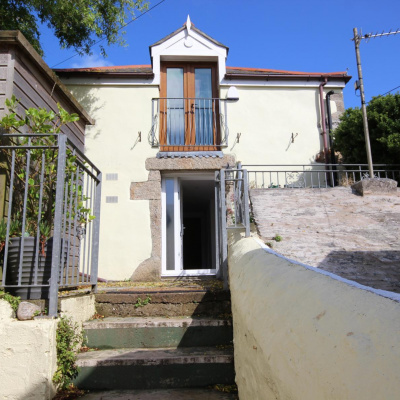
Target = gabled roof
(192,27)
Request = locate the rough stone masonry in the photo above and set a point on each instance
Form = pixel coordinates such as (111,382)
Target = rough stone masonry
(333,229)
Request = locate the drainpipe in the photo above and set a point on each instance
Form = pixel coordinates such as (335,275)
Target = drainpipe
(323,121)
(329,115)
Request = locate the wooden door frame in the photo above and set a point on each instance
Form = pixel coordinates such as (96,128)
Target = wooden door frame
(188,92)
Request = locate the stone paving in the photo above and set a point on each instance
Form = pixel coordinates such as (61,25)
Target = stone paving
(352,236)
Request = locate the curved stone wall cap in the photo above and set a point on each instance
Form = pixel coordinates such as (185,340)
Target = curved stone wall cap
(190,154)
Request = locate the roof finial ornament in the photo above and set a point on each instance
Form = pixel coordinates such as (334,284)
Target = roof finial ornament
(188,23)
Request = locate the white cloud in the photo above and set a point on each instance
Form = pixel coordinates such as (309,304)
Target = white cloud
(95,60)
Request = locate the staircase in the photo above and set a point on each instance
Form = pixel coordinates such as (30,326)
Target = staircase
(163,339)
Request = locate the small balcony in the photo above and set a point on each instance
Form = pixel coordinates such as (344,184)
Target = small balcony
(189,124)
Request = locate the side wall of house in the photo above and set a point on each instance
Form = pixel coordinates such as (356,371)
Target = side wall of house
(302,334)
(121,112)
(267,117)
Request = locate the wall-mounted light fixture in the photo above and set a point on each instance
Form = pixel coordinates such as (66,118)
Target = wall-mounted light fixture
(233,94)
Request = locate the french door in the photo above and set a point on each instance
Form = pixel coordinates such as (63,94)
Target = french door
(189,107)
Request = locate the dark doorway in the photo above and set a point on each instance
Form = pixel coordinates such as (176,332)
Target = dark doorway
(198,218)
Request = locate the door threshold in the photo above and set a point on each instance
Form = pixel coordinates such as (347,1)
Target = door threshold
(191,274)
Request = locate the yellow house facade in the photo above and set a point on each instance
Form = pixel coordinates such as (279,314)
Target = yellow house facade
(161,132)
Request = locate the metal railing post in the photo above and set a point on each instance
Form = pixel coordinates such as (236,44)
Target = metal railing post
(55,260)
(246,220)
(96,236)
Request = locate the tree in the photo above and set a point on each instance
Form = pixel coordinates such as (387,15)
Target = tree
(384,130)
(77,24)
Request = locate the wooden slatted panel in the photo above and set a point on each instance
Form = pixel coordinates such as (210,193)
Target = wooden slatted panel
(34,90)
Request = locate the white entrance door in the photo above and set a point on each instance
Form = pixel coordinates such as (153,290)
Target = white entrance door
(193,255)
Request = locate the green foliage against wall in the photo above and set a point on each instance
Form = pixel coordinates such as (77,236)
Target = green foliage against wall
(384,129)
(68,338)
(77,24)
(39,186)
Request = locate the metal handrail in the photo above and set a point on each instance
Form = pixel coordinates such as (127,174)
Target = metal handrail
(75,243)
(315,175)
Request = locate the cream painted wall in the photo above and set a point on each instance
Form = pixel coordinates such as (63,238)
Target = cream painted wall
(80,308)
(300,334)
(267,117)
(120,113)
(28,357)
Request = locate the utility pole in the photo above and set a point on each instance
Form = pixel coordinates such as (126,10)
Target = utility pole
(360,85)
(357,40)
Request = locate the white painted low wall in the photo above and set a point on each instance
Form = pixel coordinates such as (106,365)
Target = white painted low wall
(79,308)
(28,357)
(300,333)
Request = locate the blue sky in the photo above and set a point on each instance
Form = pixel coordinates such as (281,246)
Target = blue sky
(311,36)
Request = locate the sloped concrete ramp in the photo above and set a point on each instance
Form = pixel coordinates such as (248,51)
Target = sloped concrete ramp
(352,236)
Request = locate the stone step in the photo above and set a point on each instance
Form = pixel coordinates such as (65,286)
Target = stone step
(128,369)
(164,303)
(146,332)
(161,394)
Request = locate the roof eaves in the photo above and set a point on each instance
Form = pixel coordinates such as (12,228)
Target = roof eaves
(106,74)
(289,76)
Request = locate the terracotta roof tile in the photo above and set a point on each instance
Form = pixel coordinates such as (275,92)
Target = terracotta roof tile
(262,71)
(111,69)
(232,72)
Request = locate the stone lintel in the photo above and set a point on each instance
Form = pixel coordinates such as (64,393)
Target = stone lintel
(375,186)
(189,164)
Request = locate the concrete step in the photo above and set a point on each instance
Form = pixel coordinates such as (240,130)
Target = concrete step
(163,303)
(129,369)
(155,332)
(161,394)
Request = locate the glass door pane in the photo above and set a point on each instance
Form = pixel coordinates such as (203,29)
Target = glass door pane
(204,106)
(170,222)
(175,107)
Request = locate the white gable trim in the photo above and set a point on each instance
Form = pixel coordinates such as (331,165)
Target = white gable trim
(188,45)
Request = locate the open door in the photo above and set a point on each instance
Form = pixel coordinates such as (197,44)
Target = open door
(188,226)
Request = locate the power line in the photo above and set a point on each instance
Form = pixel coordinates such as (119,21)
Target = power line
(122,27)
(384,94)
(391,90)
(357,38)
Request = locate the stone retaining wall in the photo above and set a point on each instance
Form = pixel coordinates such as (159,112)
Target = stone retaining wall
(333,229)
